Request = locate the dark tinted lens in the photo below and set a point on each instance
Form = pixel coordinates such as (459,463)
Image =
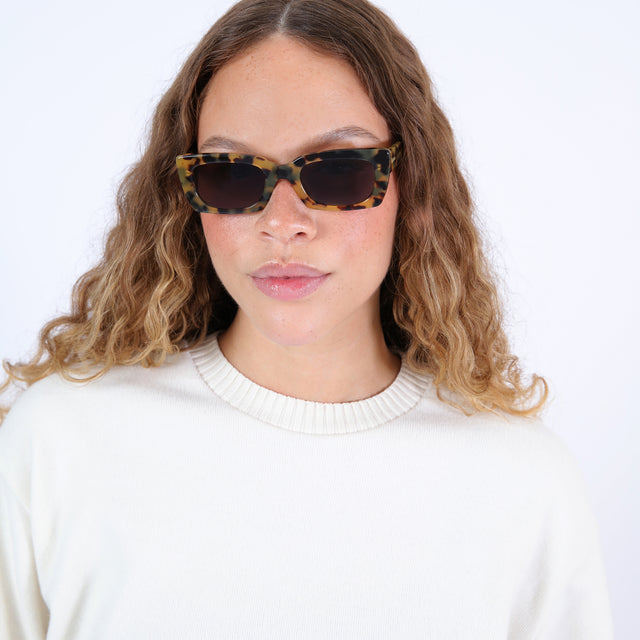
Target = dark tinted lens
(229,185)
(339,181)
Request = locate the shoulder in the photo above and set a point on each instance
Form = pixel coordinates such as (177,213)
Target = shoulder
(54,412)
(487,432)
(502,452)
(56,393)
(516,465)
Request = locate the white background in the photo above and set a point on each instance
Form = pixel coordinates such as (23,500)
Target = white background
(544,99)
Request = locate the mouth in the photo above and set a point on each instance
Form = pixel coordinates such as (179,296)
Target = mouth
(288,282)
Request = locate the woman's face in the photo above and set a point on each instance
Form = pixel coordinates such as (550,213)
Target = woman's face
(299,275)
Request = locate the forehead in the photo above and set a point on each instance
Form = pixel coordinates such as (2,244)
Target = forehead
(280,94)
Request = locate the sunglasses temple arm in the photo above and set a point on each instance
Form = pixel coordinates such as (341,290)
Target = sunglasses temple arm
(395,153)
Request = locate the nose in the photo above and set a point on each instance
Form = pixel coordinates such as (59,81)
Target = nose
(286,218)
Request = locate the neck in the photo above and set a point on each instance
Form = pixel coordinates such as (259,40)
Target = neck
(337,368)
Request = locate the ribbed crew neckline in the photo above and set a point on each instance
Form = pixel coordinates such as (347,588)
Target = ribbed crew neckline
(305,416)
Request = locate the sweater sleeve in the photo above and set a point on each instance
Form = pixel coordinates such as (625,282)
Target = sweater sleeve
(23,613)
(578,605)
(565,593)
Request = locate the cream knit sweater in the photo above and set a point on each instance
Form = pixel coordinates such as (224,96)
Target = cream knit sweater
(187,502)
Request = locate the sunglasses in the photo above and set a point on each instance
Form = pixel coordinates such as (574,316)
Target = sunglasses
(337,180)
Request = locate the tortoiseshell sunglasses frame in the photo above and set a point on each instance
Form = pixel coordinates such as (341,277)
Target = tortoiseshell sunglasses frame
(383,160)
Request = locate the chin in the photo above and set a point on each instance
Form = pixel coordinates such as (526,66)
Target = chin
(292,330)
(286,337)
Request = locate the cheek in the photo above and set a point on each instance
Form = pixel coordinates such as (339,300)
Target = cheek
(372,235)
(224,234)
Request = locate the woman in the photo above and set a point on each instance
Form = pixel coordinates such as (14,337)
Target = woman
(302,417)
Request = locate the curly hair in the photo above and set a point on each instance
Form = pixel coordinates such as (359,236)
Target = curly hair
(155,291)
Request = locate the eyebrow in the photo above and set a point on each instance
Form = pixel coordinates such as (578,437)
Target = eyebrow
(343,133)
(316,144)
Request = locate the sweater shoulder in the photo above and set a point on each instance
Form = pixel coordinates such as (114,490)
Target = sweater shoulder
(55,391)
(524,449)
(54,408)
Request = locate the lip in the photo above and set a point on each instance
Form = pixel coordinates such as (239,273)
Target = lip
(288,281)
